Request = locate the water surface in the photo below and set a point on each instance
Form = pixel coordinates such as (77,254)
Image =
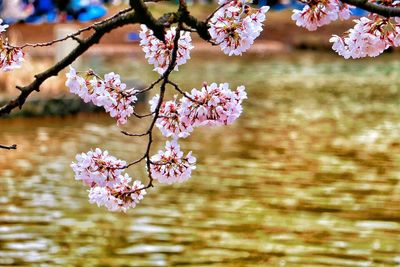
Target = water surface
(309,175)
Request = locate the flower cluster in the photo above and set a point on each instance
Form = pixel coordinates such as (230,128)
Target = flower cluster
(97,167)
(10,57)
(236,25)
(369,37)
(171,166)
(212,105)
(317,13)
(170,121)
(159,53)
(3,27)
(109,93)
(109,187)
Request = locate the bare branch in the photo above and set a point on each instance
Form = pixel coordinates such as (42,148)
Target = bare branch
(176,86)
(135,135)
(216,10)
(144,16)
(151,86)
(8,147)
(374,8)
(77,33)
(100,29)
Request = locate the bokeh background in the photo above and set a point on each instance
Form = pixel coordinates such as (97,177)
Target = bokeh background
(308,176)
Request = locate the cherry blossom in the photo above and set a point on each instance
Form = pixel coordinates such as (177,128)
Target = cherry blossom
(10,58)
(369,37)
(171,166)
(109,93)
(236,25)
(214,105)
(170,121)
(97,168)
(320,12)
(118,197)
(3,27)
(109,187)
(121,99)
(159,53)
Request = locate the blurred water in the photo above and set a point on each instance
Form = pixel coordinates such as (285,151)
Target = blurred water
(309,175)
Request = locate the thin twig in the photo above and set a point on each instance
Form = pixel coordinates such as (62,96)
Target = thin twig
(382,10)
(215,11)
(150,86)
(134,135)
(149,132)
(135,162)
(8,147)
(142,116)
(176,86)
(73,35)
(100,30)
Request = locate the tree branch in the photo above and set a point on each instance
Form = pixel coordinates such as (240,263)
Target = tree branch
(374,8)
(75,34)
(8,147)
(100,30)
(145,17)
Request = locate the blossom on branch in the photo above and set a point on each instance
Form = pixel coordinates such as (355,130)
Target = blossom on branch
(171,166)
(97,168)
(169,120)
(317,13)
(159,53)
(3,27)
(109,93)
(10,58)
(236,25)
(369,37)
(214,105)
(119,197)
(109,187)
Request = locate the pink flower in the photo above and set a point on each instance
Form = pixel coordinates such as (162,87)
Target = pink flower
(215,105)
(236,25)
(97,168)
(109,93)
(159,53)
(109,187)
(121,99)
(319,13)
(3,27)
(369,37)
(10,58)
(170,166)
(119,197)
(170,121)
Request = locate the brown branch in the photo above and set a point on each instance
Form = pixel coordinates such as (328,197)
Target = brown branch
(150,86)
(216,10)
(374,8)
(149,132)
(145,17)
(134,162)
(100,29)
(75,34)
(179,90)
(135,135)
(201,27)
(8,147)
(140,116)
